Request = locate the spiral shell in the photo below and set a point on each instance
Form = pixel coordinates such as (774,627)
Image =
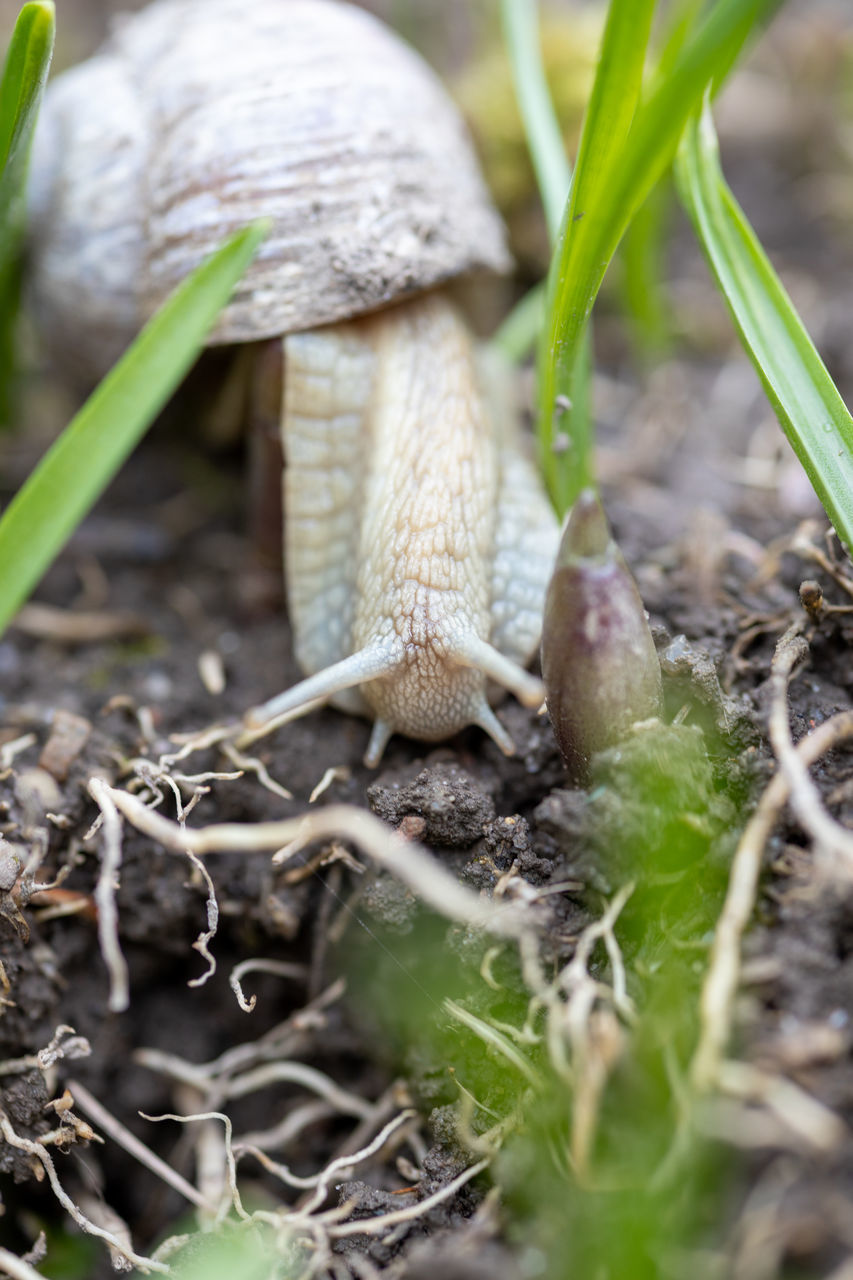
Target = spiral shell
(199,116)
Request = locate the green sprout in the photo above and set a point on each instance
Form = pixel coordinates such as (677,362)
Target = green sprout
(21,89)
(79,466)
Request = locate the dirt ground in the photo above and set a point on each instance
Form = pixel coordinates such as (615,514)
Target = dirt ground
(160,619)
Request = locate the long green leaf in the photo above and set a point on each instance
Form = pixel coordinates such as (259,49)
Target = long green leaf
(544,140)
(804,397)
(519,330)
(554,177)
(78,467)
(643,288)
(608,118)
(621,184)
(613,101)
(24,77)
(21,88)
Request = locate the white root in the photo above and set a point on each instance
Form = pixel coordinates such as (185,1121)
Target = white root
(833,844)
(41,1153)
(252,764)
(350,1104)
(375,1226)
(212,906)
(281,969)
(407,861)
(814,1125)
(105,1120)
(281,1135)
(17,1268)
(721,981)
(104,895)
(342,1166)
(230,1163)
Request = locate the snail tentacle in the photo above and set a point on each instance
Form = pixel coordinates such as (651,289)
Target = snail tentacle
(472,651)
(380,736)
(380,658)
(487,720)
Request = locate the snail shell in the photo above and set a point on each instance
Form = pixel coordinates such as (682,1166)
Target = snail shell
(418,541)
(199,116)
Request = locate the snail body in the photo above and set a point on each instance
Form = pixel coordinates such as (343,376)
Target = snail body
(418,541)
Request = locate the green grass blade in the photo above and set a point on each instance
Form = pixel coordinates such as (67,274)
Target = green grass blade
(796,381)
(642,285)
(613,101)
(544,140)
(681,20)
(608,118)
(24,77)
(622,180)
(554,177)
(21,88)
(78,467)
(516,336)
(643,250)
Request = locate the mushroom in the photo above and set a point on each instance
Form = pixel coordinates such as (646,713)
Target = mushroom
(418,539)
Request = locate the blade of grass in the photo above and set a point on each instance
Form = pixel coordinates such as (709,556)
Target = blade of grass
(554,177)
(613,101)
(21,88)
(643,288)
(519,330)
(78,467)
(803,395)
(608,118)
(623,179)
(681,19)
(24,77)
(544,140)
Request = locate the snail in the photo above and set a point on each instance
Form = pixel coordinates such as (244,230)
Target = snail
(418,539)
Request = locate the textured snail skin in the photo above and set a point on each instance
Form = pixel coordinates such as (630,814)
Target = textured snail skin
(418,542)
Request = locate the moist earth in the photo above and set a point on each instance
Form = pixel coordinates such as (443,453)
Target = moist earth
(107,666)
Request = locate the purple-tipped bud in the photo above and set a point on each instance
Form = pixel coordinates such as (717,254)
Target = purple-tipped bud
(599,664)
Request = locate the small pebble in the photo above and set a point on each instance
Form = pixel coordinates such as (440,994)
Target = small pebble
(158,686)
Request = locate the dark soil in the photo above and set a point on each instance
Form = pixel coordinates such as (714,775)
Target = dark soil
(716,520)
